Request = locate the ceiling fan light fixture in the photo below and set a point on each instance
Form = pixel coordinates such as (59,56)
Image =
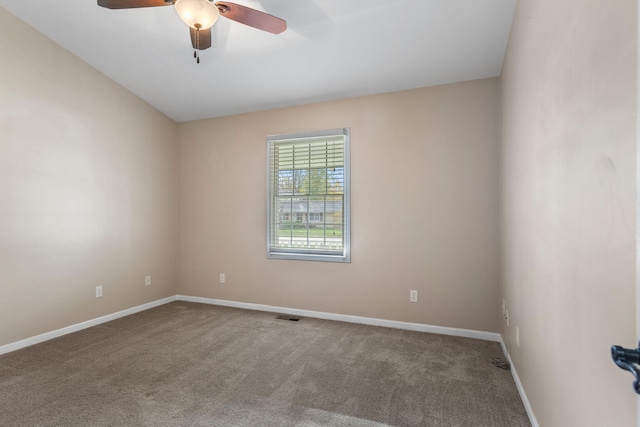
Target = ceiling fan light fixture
(199,14)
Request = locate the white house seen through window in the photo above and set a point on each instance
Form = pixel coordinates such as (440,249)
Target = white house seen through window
(308,196)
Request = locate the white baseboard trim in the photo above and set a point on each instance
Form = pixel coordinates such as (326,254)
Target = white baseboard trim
(468,333)
(419,327)
(83,325)
(516,379)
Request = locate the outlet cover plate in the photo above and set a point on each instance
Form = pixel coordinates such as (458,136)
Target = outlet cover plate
(413,296)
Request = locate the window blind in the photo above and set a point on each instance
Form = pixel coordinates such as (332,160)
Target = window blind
(308,196)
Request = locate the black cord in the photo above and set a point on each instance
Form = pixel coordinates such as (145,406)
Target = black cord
(501,362)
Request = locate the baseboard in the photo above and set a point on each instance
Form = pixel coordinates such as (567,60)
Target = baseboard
(516,379)
(468,333)
(419,327)
(83,325)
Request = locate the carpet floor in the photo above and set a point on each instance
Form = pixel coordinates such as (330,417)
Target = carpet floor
(187,364)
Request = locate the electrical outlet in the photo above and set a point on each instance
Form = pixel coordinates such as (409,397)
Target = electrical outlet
(222,278)
(413,296)
(98,291)
(504,306)
(517,336)
(147,280)
(506,317)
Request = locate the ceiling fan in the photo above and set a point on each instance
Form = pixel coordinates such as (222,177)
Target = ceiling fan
(200,15)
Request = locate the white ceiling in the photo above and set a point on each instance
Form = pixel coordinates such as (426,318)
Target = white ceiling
(332,49)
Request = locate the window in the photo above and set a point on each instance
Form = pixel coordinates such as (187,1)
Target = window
(308,181)
(315,216)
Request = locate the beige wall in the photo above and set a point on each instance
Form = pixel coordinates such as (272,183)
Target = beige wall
(424,208)
(88,178)
(568,206)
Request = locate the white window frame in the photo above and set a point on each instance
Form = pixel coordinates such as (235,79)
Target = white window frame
(309,255)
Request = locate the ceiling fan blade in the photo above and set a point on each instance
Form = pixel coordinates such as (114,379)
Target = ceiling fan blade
(127,4)
(251,17)
(200,40)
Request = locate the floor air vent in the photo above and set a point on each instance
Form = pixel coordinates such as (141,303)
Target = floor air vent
(287,317)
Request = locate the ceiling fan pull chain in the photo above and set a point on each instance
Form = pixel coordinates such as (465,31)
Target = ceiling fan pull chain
(195,54)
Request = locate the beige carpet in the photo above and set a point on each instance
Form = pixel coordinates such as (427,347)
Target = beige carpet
(186,364)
